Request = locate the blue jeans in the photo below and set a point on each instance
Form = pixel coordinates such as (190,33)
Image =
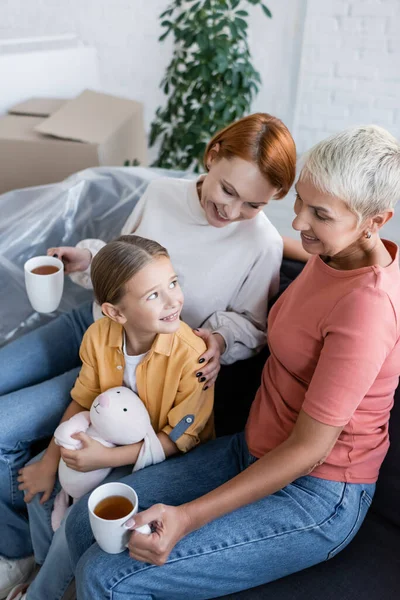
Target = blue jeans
(55,574)
(38,372)
(51,549)
(305,523)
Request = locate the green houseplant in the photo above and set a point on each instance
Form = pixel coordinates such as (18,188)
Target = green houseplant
(210,80)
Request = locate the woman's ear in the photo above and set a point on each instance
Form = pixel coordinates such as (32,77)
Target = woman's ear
(212,155)
(379,220)
(113,312)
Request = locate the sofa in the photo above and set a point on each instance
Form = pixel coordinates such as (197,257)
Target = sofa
(369,567)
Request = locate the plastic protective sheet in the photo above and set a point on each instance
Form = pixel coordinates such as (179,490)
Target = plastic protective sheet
(93,203)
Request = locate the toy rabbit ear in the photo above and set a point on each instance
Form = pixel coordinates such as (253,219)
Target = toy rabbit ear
(151,451)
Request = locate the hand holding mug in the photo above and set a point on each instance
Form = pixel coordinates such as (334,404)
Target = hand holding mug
(74,259)
(169,525)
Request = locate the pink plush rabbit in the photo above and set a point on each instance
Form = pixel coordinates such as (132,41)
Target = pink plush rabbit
(117,417)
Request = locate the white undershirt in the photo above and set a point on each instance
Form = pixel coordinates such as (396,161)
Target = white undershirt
(131,363)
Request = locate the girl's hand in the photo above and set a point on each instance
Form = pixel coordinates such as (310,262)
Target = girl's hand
(169,525)
(74,259)
(208,372)
(90,457)
(37,477)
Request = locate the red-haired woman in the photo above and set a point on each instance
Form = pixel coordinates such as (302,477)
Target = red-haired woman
(227,252)
(228,256)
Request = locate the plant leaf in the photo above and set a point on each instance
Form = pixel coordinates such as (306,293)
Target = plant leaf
(209,81)
(266,11)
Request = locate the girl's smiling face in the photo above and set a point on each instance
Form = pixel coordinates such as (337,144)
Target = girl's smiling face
(153,299)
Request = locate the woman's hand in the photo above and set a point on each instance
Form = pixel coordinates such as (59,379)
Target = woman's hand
(90,457)
(208,373)
(74,259)
(169,525)
(37,477)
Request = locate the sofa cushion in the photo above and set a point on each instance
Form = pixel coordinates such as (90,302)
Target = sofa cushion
(237,384)
(387,496)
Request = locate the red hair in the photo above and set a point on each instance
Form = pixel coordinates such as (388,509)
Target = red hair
(262,140)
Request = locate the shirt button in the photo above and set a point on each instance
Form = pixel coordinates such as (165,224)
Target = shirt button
(189,420)
(119,367)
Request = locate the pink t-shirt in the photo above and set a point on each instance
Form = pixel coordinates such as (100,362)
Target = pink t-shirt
(335,353)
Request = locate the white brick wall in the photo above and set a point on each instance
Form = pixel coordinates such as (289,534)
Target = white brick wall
(350,68)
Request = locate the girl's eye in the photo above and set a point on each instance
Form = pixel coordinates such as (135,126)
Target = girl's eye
(153,296)
(227,192)
(173,284)
(255,206)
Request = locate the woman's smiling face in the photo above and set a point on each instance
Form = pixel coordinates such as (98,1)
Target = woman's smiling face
(327,227)
(233,190)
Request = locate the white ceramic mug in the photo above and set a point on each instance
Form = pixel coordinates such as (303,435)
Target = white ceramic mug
(111,535)
(44,291)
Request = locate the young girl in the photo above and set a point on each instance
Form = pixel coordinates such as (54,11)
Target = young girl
(142,344)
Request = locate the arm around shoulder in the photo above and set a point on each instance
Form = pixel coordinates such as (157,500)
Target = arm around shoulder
(191,416)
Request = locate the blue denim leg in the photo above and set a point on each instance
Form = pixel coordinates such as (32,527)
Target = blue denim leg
(56,573)
(25,416)
(173,482)
(303,524)
(47,362)
(45,352)
(51,549)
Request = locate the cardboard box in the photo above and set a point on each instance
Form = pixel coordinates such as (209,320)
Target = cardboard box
(45,140)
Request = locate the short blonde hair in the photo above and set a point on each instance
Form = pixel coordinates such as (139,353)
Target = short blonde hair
(360,165)
(118,262)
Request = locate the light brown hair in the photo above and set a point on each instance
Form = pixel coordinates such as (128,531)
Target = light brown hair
(264,141)
(118,262)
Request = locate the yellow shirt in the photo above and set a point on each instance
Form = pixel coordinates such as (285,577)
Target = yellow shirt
(166,380)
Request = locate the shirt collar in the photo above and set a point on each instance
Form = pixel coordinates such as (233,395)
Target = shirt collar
(162,343)
(196,210)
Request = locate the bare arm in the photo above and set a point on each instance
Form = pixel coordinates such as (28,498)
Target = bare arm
(308,445)
(128,455)
(94,455)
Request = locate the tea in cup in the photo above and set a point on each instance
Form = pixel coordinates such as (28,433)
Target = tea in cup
(111,505)
(44,281)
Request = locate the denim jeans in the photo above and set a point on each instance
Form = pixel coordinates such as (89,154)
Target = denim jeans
(51,549)
(38,372)
(305,523)
(55,575)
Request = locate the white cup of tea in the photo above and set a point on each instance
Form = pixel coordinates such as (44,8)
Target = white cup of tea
(111,505)
(44,281)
